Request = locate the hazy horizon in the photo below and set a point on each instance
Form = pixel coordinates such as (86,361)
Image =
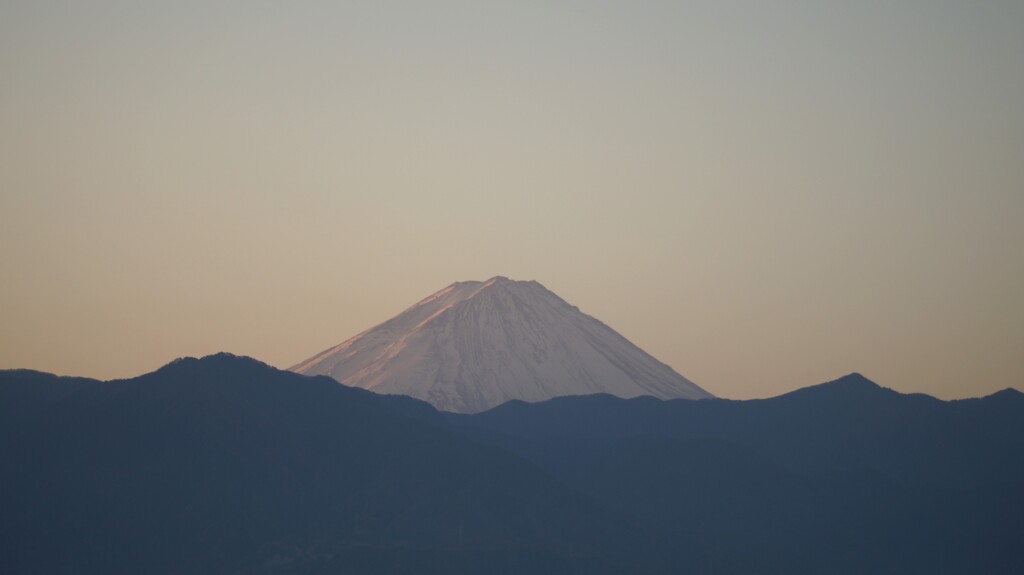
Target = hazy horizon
(762,197)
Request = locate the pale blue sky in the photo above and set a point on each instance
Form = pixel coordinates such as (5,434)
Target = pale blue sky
(763,197)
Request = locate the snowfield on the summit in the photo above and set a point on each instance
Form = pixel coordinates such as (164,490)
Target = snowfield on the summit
(475,345)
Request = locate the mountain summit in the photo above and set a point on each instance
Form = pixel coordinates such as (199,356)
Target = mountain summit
(475,345)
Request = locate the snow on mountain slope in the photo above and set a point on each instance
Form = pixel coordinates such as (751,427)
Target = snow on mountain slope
(475,345)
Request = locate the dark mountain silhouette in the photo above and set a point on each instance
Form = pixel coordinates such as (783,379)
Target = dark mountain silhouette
(849,423)
(843,477)
(226,465)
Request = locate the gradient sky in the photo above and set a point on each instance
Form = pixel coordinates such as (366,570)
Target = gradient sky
(764,195)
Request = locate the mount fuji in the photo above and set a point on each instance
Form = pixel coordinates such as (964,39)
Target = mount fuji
(475,345)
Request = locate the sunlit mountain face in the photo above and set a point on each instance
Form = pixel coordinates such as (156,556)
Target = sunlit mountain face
(475,345)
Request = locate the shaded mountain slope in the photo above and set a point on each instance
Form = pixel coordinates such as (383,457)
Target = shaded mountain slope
(849,423)
(844,477)
(227,465)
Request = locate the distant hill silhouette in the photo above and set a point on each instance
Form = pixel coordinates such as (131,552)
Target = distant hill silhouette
(843,477)
(226,465)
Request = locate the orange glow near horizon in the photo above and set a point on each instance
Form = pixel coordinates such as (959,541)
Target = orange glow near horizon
(757,196)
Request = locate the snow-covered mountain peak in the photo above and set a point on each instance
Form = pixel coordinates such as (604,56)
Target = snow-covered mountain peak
(474,345)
